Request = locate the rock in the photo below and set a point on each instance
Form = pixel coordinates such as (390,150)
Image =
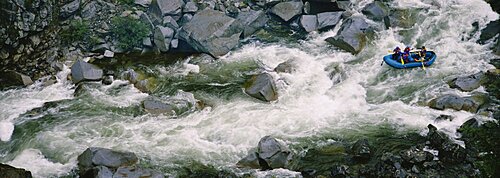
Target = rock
(250,161)
(83,71)
(351,36)
(143,3)
(100,48)
(143,86)
(94,157)
(144,17)
(443,117)
(339,171)
(185,19)
(287,66)
(491,30)
(455,102)
(404,18)
(90,10)
(130,75)
(415,155)
(146,41)
(69,9)
(166,7)
(155,106)
(107,80)
(11,78)
(109,54)
(309,22)
(313,7)
(328,20)
(262,87)
(252,21)
(136,172)
(162,38)
(452,153)
(211,32)
(468,83)
(287,10)
(98,172)
(435,137)
(190,7)
(376,10)
(274,154)
(8,171)
(170,22)
(202,59)
(469,124)
(174,43)
(361,150)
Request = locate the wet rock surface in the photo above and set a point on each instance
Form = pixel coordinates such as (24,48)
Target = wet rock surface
(12,172)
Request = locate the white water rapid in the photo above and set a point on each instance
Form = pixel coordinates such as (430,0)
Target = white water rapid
(361,94)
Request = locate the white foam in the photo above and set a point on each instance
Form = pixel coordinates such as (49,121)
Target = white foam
(6,129)
(34,161)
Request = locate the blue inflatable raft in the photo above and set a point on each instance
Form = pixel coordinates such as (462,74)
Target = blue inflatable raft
(430,57)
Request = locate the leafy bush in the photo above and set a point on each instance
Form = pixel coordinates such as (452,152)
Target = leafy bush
(78,30)
(129,32)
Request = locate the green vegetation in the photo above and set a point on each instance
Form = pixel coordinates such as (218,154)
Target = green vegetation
(129,32)
(125,1)
(78,31)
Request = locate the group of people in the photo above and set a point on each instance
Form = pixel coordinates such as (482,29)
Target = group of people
(406,54)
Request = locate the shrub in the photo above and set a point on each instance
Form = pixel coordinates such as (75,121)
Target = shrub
(129,32)
(78,30)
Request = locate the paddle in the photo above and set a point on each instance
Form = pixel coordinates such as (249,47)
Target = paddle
(402,62)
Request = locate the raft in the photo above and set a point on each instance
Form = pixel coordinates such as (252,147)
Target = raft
(430,57)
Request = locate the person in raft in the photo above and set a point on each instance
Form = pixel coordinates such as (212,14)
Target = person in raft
(422,52)
(406,54)
(397,53)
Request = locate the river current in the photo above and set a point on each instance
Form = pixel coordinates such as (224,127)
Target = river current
(331,93)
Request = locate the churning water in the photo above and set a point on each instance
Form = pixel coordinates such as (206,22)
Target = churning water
(331,93)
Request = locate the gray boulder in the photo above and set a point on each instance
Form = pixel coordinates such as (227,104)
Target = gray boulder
(170,22)
(404,18)
(262,87)
(274,154)
(155,106)
(287,66)
(8,171)
(190,7)
(83,71)
(211,32)
(136,172)
(376,10)
(468,83)
(69,9)
(250,161)
(309,22)
(161,8)
(94,157)
(287,10)
(252,21)
(143,3)
(90,10)
(455,102)
(130,75)
(11,78)
(328,20)
(351,36)
(162,38)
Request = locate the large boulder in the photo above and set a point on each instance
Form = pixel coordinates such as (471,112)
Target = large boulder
(12,78)
(156,106)
(161,8)
(287,10)
(309,22)
(455,102)
(376,10)
(262,87)
(211,32)
(250,161)
(94,157)
(162,38)
(328,20)
(315,7)
(448,150)
(352,36)
(404,18)
(69,9)
(8,171)
(83,71)
(468,83)
(252,21)
(274,154)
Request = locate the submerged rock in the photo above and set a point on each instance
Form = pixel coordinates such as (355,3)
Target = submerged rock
(83,71)
(274,154)
(155,106)
(262,87)
(136,172)
(376,10)
(361,150)
(8,171)
(286,67)
(455,102)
